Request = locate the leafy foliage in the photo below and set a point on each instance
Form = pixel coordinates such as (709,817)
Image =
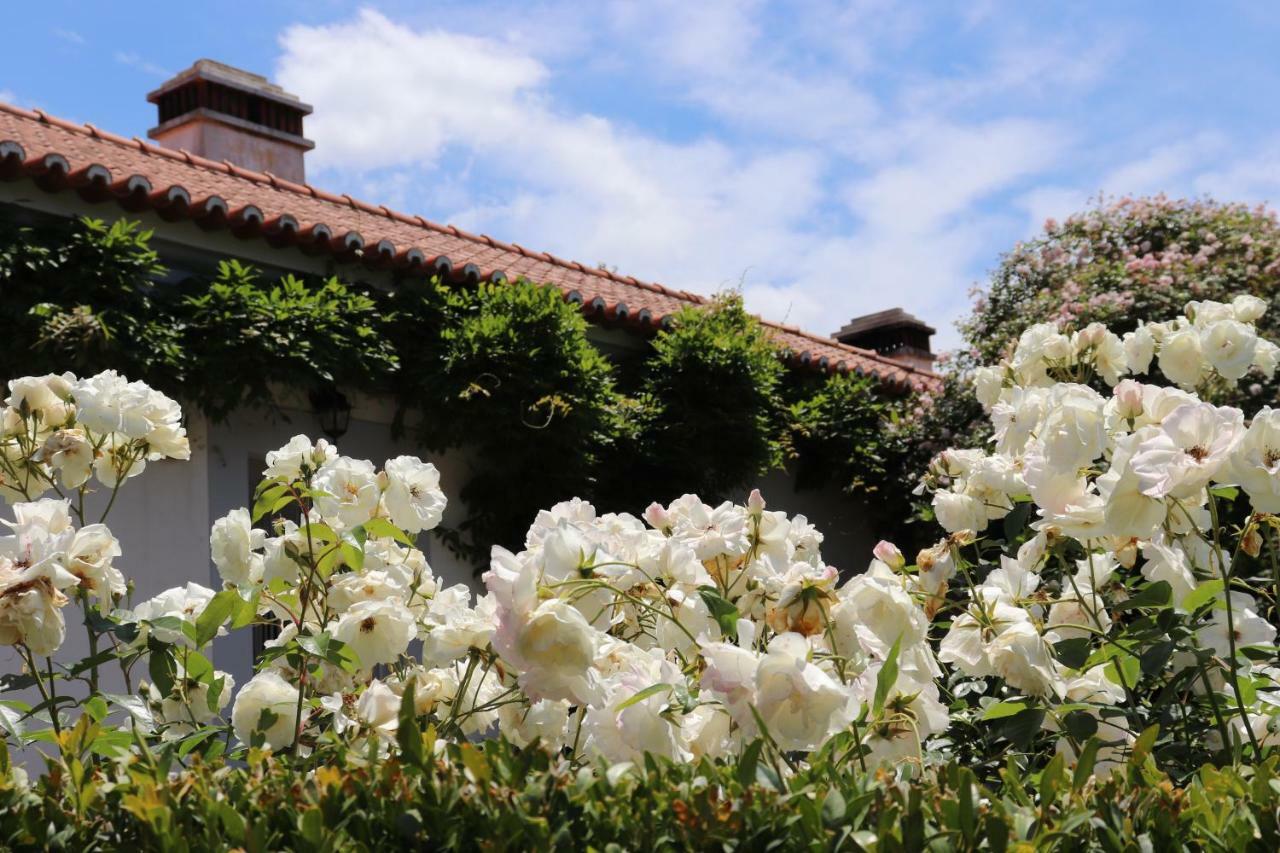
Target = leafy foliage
(76,296)
(847,431)
(242,335)
(709,413)
(496,797)
(507,372)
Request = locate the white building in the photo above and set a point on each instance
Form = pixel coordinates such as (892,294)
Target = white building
(226,180)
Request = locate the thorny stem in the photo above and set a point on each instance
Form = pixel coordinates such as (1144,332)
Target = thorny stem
(1226,572)
(47,695)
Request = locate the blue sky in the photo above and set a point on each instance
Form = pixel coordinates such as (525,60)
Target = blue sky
(829,159)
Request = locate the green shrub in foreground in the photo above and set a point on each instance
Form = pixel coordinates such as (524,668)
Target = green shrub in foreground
(495,797)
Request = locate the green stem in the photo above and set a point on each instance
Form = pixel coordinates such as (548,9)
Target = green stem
(1234,665)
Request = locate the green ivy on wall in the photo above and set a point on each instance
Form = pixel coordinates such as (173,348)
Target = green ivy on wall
(504,372)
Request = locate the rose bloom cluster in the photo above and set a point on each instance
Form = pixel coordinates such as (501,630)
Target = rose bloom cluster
(1128,478)
(687,633)
(58,434)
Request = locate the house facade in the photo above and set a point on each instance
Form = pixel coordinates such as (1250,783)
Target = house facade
(225,178)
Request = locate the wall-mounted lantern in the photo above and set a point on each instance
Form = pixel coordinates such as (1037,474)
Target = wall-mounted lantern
(333,411)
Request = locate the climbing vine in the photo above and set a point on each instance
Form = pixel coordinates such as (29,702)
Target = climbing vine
(505,373)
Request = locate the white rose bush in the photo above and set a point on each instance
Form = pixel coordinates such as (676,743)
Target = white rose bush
(1104,594)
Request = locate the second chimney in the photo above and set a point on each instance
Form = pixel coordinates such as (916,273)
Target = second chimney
(894,334)
(224,113)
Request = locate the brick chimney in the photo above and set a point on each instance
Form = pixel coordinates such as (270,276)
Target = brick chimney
(894,334)
(223,113)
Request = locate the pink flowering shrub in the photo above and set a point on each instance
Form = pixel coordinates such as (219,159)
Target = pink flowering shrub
(1124,262)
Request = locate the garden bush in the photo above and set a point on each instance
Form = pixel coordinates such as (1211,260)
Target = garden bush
(1122,262)
(1085,658)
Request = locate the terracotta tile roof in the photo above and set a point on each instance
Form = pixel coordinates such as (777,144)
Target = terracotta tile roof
(102,166)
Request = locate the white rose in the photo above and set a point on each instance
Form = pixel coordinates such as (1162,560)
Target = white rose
(1167,561)
(233,542)
(188,703)
(413,497)
(379,709)
(351,491)
(1266,355)
(988,382)
(182,602)
(1139,349)
(799,703)
(1184,454)
(1022,658)
(1255,461)
(1074,432)
(286,463)
(971,633)
(1248,308)
(1229,346)
(71,454)
(377,631)
(1250,628)
(266,692)
(1128,397)
(1182,358)
(89,558)
(956,512)
(553,647)
(46,398)
(1110,358)
(546,721)
(31,613)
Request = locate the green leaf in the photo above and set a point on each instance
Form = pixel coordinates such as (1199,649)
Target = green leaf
(161,666)
(722,610)
(96,707)
(381,528)
(215,613)
(1202,595)
(1073,652)
(1157,594)
(1229,493)
(1000,710)
(1142,746)
(136,707)
(1081,725)
(641,695)
(352,548)
(268,500)
(887,676)
(1084,766)
(1016,521)
(11,721)
(1153,659)
(1021,729)
(746,769)
(833,807)
(408,732)
(1051,779)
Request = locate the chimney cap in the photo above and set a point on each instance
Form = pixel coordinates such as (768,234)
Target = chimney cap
(235,78)
(892,318)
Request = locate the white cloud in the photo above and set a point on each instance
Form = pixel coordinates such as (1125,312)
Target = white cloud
(7,96)
(822,177)
(70,36)
(134,60)
(390,97)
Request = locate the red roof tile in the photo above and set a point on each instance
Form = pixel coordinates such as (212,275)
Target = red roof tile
(35,144)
